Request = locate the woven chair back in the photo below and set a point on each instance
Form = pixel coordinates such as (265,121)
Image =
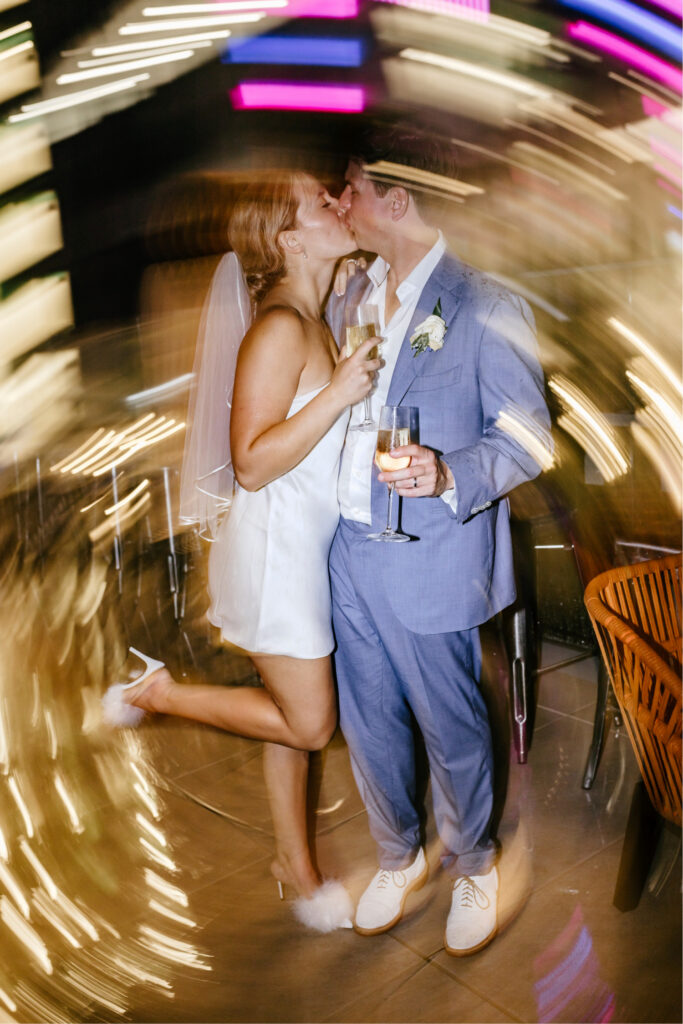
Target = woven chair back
(636,614)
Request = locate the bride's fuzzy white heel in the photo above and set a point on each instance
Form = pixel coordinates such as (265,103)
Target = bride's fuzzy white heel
(115,710)
(328,908)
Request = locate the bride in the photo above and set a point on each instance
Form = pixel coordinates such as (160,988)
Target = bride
(268,576)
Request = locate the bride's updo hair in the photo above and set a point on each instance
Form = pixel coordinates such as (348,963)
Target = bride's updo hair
(267,206)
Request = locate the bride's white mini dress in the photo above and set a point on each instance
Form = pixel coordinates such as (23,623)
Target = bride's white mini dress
(268,575)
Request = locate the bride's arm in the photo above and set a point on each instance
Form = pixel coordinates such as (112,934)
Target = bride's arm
(264,444)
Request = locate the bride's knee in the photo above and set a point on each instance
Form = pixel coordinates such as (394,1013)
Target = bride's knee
(316,734)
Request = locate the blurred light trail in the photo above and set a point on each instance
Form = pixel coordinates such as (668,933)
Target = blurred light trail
(114,69)
(590,428)
(23,26)
(478,10)
(630,54)
(647,27)
(323,8)
(334,99)
(171,914)
(676,212)
(214,8)
(560,145)
(43,107)
(26,935)
(612,140)
(335,53)
(462,67)
(528,434)
(164,887)
(99,62)
(151,44)
(13,888)
(384,170)
(672,6)
(570,170)
(128,498)
(648,351)
(138,27)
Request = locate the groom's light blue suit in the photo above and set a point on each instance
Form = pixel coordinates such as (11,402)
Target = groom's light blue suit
(406,616)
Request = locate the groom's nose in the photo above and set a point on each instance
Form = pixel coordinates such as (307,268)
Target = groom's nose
(345,199)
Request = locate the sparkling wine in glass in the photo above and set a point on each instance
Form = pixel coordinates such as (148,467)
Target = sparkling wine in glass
(362,322)
(397,427)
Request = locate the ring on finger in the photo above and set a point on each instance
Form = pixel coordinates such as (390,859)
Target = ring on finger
(414,481)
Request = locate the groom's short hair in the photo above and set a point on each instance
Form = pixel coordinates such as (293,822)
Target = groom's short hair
(405,149)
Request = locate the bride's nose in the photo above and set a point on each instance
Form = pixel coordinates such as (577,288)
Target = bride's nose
(344,200)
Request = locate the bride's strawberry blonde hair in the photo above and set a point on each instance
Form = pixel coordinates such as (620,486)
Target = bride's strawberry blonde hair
(266,207)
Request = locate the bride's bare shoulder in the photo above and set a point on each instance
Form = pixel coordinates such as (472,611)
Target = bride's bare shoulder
(276,328)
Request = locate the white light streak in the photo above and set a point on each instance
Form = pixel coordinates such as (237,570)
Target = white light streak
(14,50)
(648,351)
(138,27)
(76,915)
(157,855)
(672,420)
(76,822)
(154,832)
(14,889)
(147,800)
(25,934)
(23,26)
(4,851)
(23,809)
(171,914)
(131,65)
(100,62)
(155,881)
(8,1001)
(129,497)
(74,99)
(433,182)
(462,67)
(39,868)
(528,435)
(153,44)
(590,428)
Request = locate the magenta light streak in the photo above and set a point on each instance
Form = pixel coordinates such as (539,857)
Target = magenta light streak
(668,152)
(651,108)
(672,6)
(668,187)
(335,99)
(635,56)
(476,10)
(322,9)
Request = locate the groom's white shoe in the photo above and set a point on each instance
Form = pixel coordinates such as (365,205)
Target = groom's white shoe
(381,905)
(473,918)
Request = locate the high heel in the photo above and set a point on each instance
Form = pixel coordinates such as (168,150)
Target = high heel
(280,889)
(115,710)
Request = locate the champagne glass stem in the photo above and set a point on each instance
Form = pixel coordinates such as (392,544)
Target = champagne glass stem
(367,411)
(391,502)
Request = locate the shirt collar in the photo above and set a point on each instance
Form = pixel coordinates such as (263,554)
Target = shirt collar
(418,276)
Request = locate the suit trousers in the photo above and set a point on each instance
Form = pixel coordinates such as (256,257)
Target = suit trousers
(389,677)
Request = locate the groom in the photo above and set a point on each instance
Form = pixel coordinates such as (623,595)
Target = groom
(406,616)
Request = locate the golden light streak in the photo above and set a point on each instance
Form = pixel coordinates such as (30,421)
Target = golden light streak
(39,868)
(590,428)
(82,449)
(141,975)
(14,889)
(527,434)
(436,182)
(135,28)
(8,1001)
(130,65)
(4,851)
(23,809)
(77,915)
(129,497)
(619,146)
(152,44)
(51,734)
(141,777)
(14,50)
(26,935)
(23,26)
(111,525)
(154,832)
(514,82)
(134,448)
(76,822)
(171,914)
(100,62)
(155,881)
(648,351)
(74,99)
(521,126)
(157,855)
(669,469)
(4,749)
(172,949)
(50,915)
(570,169)
(671,421)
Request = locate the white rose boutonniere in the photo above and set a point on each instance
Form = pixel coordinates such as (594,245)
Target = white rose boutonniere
(430,333)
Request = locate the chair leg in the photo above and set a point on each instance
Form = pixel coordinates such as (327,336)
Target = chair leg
(598,728)
(640,843)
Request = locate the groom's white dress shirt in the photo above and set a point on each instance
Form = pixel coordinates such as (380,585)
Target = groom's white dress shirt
(359,447)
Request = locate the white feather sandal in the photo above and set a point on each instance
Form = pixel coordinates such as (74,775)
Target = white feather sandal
(115,710)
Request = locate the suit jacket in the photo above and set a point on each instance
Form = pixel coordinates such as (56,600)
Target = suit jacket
(460,572)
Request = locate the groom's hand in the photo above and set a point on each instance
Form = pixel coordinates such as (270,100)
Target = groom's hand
(426,476)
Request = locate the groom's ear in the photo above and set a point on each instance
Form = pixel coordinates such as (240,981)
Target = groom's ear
(399,200)
(289,243)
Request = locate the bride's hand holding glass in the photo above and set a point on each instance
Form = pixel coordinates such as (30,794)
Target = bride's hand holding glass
(353,376)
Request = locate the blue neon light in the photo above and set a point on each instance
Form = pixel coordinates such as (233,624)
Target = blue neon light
(645,26)
(335,53)
(676,212)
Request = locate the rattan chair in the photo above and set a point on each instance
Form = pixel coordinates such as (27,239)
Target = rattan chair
(636,614)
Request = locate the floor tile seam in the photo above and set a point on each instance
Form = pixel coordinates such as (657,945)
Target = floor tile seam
(563,714)
(209,882)
(475,991)
(419,967)
(231,819)
(333,828)
(212,764)
(579,863)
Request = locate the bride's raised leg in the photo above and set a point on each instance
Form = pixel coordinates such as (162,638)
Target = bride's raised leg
(286,775)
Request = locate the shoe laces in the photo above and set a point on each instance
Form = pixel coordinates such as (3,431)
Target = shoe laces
(387,878)
(469,894)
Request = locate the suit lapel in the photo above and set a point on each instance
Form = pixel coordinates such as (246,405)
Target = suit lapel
(408,366)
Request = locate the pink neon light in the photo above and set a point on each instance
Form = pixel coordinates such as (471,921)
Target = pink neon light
(630,54)
(337,99)
(651,108)
(476,10)
(322,8)
(665,172)
(673,189)
(672,6)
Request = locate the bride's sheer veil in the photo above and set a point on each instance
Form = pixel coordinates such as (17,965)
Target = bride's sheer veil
(207,480)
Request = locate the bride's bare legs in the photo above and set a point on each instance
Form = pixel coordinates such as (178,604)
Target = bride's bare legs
(295,709)
(294,713)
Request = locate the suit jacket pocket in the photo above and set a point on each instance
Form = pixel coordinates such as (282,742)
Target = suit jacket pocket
(436,378)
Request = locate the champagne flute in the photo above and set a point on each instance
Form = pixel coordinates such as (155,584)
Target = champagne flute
(397,427)
(362,322)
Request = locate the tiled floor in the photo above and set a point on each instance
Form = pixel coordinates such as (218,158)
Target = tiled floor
(564,953)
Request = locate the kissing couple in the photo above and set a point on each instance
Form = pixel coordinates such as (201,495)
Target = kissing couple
(293,578)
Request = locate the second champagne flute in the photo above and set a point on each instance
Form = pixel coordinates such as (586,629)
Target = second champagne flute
(398,425)
(362,322)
